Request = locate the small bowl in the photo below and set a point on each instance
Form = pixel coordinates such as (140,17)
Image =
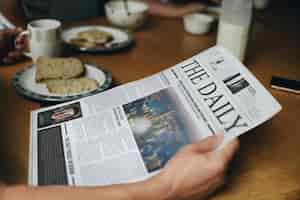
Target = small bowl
(197,23)
(117,14)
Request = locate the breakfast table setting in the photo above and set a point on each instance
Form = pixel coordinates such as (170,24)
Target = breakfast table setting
(131,44)
(52,77)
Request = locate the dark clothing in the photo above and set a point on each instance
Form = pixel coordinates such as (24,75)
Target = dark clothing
(65,10)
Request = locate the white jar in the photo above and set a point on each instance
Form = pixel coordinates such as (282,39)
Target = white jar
(234,26)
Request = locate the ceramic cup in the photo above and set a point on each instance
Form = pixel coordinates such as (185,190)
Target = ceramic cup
(44,38)
(130,14)
(197,23)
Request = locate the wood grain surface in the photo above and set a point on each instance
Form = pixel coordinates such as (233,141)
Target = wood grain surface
(267,166)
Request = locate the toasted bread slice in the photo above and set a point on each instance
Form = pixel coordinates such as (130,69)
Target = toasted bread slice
(58,68)
(95,36)
(83,43)
(71,86)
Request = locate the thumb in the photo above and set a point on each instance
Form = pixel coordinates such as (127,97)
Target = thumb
(208,144)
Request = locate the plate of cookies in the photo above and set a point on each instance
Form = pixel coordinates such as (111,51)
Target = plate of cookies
(96,38)
(61,80)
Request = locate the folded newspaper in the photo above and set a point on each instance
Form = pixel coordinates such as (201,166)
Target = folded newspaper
(130,132)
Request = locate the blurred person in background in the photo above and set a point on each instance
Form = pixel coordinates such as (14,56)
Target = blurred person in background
(179,8)
(70,10)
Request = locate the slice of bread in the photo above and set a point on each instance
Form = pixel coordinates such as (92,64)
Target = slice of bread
(95,36)
(71,86)
(58,68)
(82,43)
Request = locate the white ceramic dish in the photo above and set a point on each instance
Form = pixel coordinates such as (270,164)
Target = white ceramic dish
(197,23)
(127,14)
(24,82)
(121,39)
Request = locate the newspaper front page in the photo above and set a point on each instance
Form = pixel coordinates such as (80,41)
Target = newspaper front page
(129,133)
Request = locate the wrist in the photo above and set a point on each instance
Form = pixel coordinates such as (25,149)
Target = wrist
(153,188)
(196,7)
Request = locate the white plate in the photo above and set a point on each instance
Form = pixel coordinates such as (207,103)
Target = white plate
(121,39)
(24,82)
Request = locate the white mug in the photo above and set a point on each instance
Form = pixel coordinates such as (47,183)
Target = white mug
(44,37)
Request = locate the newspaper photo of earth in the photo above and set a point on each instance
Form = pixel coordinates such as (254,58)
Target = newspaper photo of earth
(157,122)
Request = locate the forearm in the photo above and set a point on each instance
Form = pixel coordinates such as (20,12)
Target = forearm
(12,9)
(171,10)
(142,190)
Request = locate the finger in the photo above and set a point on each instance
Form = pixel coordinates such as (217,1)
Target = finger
(21,39)
(227,152)
(15,55)
(10,60)
(20,47)
(20,43)
(19,29)
(7,60)
(12,32)
(208,144)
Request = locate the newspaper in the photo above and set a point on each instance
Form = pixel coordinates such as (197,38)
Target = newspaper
(128,133)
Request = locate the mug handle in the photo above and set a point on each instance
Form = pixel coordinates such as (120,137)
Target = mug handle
(22,34)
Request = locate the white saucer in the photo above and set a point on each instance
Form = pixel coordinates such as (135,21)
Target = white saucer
(25,84)
(121,39)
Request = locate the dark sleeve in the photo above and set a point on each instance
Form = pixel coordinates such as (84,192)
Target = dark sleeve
(65,10)
(35,9)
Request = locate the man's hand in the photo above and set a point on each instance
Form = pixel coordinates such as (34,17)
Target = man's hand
(198,169)
(9,53)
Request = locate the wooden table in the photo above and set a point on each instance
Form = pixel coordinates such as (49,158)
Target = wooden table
(268,164)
